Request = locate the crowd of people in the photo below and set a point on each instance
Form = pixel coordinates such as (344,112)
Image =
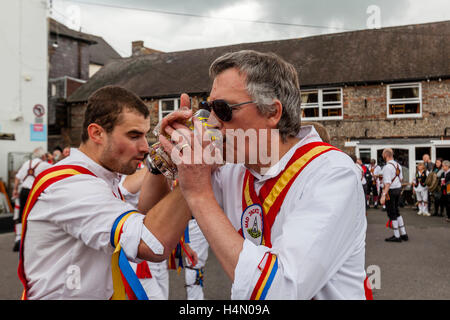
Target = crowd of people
(429,187)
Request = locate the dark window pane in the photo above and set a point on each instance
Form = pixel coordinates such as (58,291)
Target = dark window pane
(335,112)
(331,96)
(405,93)
(310,97)
(410,108)
(167,105)
(310,113)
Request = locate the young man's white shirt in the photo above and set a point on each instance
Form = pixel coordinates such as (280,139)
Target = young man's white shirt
(67,250)
(318,235)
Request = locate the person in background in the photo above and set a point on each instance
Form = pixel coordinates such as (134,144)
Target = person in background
(66,152)
(24,179)
(374,188)
(427,162)
(445,184)
(437,194)
(49,158)
(57,154)
(321,130)
(392,180)
(420,189)
(429,167)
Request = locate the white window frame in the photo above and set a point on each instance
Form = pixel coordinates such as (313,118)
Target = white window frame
(403,101)
(176,104)
(323,105)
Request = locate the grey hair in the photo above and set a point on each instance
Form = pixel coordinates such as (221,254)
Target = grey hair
(446,163)
(268,77)
(38,153)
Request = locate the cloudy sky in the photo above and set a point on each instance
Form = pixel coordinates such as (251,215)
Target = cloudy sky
(175,25)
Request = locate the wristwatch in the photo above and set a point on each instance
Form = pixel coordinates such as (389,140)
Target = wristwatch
(151,167)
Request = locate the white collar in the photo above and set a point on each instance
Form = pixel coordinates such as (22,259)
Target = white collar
(76,156)
(307,134)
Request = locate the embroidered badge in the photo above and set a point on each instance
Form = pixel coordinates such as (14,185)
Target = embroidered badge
(252,223)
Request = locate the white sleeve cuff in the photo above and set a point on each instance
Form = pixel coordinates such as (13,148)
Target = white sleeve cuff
(133,231)
(247,273)
(131,236)
(151,241)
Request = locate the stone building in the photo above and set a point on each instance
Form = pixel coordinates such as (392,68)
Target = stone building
(370,88)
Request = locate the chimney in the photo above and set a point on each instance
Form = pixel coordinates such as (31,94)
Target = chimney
(137,48)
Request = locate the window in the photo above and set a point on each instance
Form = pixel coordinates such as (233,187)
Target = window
(53,89)
(364,155)
(322,104)
(166,106)
(404,100)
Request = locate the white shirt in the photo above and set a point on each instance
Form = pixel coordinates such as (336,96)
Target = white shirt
(67,243)
(27,181)
(376,170)
(389,174)
(318,235)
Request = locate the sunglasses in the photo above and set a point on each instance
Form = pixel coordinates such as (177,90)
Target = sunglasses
(222,109)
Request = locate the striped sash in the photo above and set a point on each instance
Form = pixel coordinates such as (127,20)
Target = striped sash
(123,275)
(42,181)
(270,198)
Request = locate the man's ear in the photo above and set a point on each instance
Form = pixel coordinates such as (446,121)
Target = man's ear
(275,117)
(96,133)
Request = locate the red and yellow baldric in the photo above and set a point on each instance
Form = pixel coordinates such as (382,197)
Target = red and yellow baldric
(43,181)
(270,198)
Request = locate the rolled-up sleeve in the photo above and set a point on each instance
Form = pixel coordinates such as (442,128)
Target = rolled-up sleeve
(90,214)
(314,234)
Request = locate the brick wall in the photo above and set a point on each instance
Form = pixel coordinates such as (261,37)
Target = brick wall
(372,122)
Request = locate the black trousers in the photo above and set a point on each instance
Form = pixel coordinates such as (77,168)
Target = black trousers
(23,196)
(372,188)
(392,203)
(446,200)
(439,203)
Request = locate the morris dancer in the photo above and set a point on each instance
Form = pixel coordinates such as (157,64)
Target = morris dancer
(270,227)
(78,234)
(392,181)
(420,189)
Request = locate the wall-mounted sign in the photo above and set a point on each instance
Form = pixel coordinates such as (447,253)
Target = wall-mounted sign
(38,110)
(38,132)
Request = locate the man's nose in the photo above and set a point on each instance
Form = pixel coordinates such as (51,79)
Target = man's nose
(143,145)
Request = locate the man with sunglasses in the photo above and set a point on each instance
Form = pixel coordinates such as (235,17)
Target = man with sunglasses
(292,228)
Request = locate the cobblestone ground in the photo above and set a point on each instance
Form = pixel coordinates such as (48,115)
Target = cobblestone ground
(417,269)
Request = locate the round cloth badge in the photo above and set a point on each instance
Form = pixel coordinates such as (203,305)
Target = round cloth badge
(252,223)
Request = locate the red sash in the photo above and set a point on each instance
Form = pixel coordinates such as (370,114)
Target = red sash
(42,181)
(273,192)
(270,198)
